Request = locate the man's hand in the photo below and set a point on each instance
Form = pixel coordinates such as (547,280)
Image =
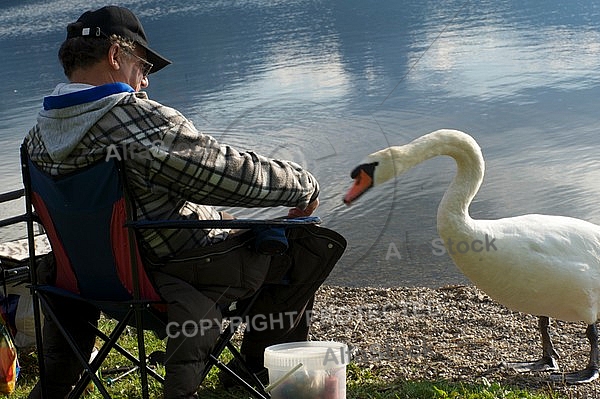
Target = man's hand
(310,208)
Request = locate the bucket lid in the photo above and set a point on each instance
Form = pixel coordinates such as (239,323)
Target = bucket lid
(315,355)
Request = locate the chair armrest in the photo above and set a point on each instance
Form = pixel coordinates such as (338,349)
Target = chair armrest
(222,224)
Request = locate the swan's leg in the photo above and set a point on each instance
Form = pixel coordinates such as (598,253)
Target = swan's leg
(590,373)
(548,361)
(549,355)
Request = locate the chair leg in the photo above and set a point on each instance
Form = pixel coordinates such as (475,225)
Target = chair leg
(111,343)
(133,359)
(224,341)
(37,318)
(251,390)
(236,354)
(141,350)
(101,356)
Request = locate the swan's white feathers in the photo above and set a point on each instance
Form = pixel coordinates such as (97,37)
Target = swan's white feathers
(538,264)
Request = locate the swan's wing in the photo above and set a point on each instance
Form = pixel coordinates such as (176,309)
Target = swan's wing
(538,264)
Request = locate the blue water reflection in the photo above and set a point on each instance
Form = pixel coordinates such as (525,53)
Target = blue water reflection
(325,83)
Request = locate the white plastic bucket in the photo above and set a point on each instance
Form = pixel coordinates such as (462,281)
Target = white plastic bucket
(307,370)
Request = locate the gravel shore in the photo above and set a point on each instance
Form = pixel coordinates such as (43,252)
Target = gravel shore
(452,333)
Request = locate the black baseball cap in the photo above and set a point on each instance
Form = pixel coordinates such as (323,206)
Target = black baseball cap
(116,20)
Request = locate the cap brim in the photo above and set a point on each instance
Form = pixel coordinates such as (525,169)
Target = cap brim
(157,60)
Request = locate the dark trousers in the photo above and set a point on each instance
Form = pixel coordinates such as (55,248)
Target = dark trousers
(198,283)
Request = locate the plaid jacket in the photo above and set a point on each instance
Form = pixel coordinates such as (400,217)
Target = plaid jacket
(174,171)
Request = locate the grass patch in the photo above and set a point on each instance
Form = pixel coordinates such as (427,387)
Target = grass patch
(361,383)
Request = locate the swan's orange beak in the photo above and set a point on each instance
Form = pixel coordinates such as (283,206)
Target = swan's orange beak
(362,182)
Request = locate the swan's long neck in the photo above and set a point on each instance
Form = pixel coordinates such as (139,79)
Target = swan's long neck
(454,207)
(453,211)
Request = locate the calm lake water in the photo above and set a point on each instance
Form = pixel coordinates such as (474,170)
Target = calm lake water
(326,82)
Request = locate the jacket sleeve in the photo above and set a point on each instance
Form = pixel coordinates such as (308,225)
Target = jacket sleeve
(201,170)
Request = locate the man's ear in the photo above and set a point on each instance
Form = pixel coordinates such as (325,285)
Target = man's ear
(113,56)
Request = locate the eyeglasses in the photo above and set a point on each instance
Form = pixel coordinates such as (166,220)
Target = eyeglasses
(146,66)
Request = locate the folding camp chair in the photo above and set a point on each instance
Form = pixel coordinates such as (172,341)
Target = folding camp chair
(90,225)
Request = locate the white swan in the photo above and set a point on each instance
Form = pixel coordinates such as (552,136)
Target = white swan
(543,265)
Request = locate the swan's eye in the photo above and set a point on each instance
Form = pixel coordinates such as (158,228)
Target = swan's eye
(356,171)
(368,168)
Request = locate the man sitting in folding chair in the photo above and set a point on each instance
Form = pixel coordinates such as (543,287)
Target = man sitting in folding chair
(170,168)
